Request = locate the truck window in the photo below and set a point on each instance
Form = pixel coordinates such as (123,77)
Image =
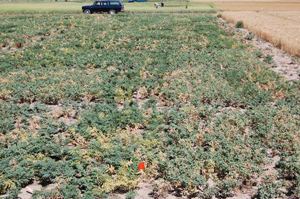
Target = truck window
(114,3)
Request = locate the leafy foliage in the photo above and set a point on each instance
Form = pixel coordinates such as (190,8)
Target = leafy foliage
(270,190)
(269,59)
(131,195)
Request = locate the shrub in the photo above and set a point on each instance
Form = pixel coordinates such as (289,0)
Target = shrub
(240,24)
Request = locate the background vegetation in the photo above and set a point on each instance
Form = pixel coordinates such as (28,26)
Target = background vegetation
(75,7)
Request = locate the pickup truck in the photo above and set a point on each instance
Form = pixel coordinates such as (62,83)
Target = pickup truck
(111,7)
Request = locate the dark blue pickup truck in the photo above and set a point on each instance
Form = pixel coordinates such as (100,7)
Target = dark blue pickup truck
(111,7)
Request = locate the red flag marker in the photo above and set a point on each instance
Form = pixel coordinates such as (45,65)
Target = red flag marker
(255,24)
(264,55)
(228,32)
(220,27)
(168,25)
(141,166)
(47,34)
(43,26)
(75,18)
(245,41)
(115,26)
(18,45)
(69,26)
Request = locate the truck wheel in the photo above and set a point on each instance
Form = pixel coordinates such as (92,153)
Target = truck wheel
(87,11)
(112,12)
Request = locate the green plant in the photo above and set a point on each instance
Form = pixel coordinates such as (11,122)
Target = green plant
(250,36)
(269,59)
(226,187)
(131,194)
(240,24)
(269,190)
(259,54)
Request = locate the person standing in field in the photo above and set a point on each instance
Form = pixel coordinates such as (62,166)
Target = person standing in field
(162,3)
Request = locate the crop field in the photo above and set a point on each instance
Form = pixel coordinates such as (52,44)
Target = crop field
(280,28)
(289,15)
(75,7)
(85,98)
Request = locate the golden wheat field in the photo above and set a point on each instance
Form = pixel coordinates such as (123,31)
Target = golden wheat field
(280,30)
(289,15)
